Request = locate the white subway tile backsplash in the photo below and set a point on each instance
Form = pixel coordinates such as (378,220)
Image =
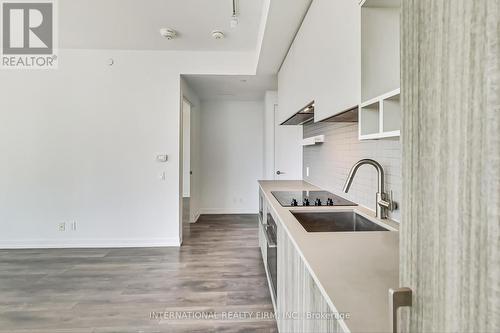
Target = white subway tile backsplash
(329,163)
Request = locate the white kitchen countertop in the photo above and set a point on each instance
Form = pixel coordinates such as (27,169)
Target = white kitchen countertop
(353,270)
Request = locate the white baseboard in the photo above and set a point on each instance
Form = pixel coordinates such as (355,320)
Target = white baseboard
(211,211)
(88,243)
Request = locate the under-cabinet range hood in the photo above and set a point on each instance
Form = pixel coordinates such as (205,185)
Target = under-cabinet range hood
(348,116)
(305,115)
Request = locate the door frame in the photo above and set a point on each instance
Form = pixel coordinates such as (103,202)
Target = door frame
(182,99)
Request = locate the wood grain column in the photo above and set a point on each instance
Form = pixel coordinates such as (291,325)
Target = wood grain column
(451,164)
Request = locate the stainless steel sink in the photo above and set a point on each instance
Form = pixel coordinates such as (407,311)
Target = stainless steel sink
(335,222)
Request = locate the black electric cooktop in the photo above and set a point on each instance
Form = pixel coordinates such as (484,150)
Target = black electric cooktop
(310,198)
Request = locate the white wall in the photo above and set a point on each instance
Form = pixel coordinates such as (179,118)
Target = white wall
(231,155)
(79,143)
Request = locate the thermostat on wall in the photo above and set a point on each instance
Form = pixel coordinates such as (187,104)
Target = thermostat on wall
(162,158)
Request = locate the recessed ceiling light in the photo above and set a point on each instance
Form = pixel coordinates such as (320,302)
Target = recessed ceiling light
(168,33)
(217,34)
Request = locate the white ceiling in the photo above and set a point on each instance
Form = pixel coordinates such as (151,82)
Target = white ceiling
(135,24)
(266,27)
(231,87)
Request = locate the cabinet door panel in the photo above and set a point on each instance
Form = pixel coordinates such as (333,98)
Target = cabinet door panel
(294,91)
(336,57)
(324,61)
(298,294)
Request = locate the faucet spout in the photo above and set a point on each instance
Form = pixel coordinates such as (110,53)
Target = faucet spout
(354,169)
(382,205)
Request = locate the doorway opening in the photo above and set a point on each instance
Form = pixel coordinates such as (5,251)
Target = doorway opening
(229,142)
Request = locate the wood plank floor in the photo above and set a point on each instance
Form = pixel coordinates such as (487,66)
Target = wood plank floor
(217,270)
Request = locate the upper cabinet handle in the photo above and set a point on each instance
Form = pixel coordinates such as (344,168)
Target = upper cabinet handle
(397,298)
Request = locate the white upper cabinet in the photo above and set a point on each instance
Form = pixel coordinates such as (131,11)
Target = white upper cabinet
(294,79)
(323,63)
(380,109)
(335,26)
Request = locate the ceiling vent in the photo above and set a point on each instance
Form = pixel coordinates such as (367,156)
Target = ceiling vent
(217,34)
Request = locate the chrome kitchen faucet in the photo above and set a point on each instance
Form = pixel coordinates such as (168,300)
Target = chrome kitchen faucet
(383,203)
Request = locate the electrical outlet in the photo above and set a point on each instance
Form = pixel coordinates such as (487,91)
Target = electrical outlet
(62,226)
(73,226)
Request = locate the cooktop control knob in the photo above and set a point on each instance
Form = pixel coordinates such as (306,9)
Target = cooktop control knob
(329,202)
(317,202)
(305,202)
(294,202)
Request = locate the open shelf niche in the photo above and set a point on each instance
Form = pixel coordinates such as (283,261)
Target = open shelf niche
(380,117)
(380,108)
(313,140)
